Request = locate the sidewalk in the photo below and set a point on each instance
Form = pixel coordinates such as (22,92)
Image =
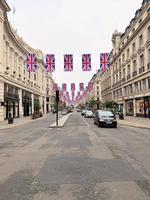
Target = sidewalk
(137,122)
(18,121)
(61,121)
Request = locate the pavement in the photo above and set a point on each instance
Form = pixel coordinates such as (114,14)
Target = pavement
(80,161)
(61,121)
(137,122)
(20,121)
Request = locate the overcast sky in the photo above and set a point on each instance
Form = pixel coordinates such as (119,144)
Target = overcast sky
(71,27)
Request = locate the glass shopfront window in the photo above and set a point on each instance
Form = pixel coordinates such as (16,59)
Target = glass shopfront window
(140,107)
(129,107)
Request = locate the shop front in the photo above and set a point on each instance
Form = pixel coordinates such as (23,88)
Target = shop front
(129,108)
(142,106)
(26,103)
(11,101)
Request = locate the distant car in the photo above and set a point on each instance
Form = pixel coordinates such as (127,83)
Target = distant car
(64,112)
(105,118)
(88,114)
(83,112)
(78,110)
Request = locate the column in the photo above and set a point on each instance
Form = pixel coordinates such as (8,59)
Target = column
(1,100)
(32,98)
(134,107)
(20,104)
(45,105)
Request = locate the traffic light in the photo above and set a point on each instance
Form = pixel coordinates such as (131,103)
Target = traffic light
(57,96)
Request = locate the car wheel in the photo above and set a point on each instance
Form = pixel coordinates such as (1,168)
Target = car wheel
(99,124)
(115,126)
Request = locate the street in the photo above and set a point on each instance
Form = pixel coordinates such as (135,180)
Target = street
(77,162)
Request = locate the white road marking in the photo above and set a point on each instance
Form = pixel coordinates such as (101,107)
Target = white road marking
(85,122)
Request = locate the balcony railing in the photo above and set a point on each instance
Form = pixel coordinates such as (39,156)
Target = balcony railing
(134,73)
(128,77)
(123,79)
(141,70)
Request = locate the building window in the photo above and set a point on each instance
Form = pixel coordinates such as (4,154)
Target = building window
(144,84)
(148,83)
(119,62)
(116,78)
(129,70)
(141,41)
(120,76)
(136,87)
(97,87)
(140,86)
(148,32)
(134,66)
(34,77)
(142,61)
(124,73)
(130,89)
(128,53)
(123,57)
(133,48)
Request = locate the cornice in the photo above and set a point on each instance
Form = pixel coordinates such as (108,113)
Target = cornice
(6,6)
(147,19)
(23,45)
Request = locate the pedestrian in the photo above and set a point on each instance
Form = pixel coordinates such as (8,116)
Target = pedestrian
(149,112)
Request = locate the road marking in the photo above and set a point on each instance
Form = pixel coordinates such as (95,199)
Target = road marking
(2,134)
(85,122)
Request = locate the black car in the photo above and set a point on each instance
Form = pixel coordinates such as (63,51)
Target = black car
(105,118)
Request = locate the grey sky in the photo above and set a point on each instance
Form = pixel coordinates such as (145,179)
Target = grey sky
(72,26)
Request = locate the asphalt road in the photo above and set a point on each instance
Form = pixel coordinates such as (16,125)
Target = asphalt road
(77,162)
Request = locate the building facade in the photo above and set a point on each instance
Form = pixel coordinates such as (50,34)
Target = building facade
(130,66)
(21,92)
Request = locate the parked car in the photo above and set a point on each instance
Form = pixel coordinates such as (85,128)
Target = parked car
(83,112)
(78,110)
(88,113)
(105,118)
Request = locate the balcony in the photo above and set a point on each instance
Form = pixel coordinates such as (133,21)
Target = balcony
(134,73)
(141,70)
(128,77)
(148,66)
(123,79)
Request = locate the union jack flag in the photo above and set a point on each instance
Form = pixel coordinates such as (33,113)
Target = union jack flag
(86,62)
(104,61)
(55,87)
(64,87)
(68,62)
(31,62)
(72,86)
(90,86)
(50,63)
(81,86)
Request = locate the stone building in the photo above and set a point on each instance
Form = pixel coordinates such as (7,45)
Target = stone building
(20,91)
(130,66)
